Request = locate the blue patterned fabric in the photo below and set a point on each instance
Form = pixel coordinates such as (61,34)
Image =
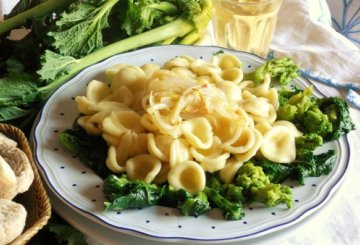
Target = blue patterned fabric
(346,18)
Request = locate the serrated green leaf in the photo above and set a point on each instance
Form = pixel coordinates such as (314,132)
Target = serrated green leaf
(55,65)
(67,234)
(13,112)
(79,31)
(17,89)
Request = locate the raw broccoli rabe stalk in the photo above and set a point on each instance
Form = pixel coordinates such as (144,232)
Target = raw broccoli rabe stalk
(189,204)
(190,21)
(230,210)
(37,11)
(59,69)
(123,194)
(282,70)
(257,187)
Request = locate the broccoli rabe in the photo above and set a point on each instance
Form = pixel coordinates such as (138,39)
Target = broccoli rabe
(189,204)
(233,193)
(229,191)
(258,188)
(282,70)
(123,194)
(306,164)
(315,121)
(195,205)
(274,194)
(308,141)
(91,150)
(296,105)
(250,177)
(338,114)
(231,210)
(326,117)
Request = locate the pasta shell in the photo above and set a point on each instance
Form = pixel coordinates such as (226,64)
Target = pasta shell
(226,61)
(198,132)
(187,175)
(179,151)
(279,145)
(230,169)
(143,167)
(131,76)
(159,146)
(97,91)
(246,156)
(120,122)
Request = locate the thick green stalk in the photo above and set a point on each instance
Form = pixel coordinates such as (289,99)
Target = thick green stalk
(166,7)
(37,11)
(177,28)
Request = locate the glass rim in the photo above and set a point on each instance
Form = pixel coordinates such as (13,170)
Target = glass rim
(251,3)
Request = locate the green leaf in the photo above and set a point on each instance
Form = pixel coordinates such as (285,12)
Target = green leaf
(22,6)
(91,150)
(80,30)
(67,234)
(17,89)
(55,65)
(13,112)
(147,14)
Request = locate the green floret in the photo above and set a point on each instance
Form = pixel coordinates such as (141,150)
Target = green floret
(229,191)
(258,188)
(302,101)
(195,205)
(309,141)
(233,193)
(287,112)
(189,204)
(250,176)
(231,210)
(314,121)
(274,194)
(328,118)
(282,69)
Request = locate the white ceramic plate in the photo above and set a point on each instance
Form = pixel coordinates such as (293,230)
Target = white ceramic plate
(77,186)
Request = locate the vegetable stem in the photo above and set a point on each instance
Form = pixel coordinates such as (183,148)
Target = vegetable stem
(37,11)
(178,28)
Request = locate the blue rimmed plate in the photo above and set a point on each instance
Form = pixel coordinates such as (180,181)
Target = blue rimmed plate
(78,187)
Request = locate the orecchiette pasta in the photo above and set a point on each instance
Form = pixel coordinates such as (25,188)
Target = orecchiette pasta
(279,145)
(187,175)
(144,167)
(176,122)
(230,169)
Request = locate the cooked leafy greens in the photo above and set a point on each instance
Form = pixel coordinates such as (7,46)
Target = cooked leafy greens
(329,117)
(69,36)
(282,70)
(90,150)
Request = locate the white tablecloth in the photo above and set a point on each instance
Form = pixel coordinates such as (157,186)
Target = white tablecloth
(338,222)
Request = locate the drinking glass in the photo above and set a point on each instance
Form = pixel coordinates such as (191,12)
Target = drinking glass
(246,25)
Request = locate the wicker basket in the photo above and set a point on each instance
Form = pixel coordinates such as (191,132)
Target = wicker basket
(35,200)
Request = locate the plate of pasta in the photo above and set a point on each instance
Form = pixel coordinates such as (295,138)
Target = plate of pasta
(170,118)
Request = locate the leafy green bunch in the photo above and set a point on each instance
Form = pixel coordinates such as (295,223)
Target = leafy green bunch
(67,36)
